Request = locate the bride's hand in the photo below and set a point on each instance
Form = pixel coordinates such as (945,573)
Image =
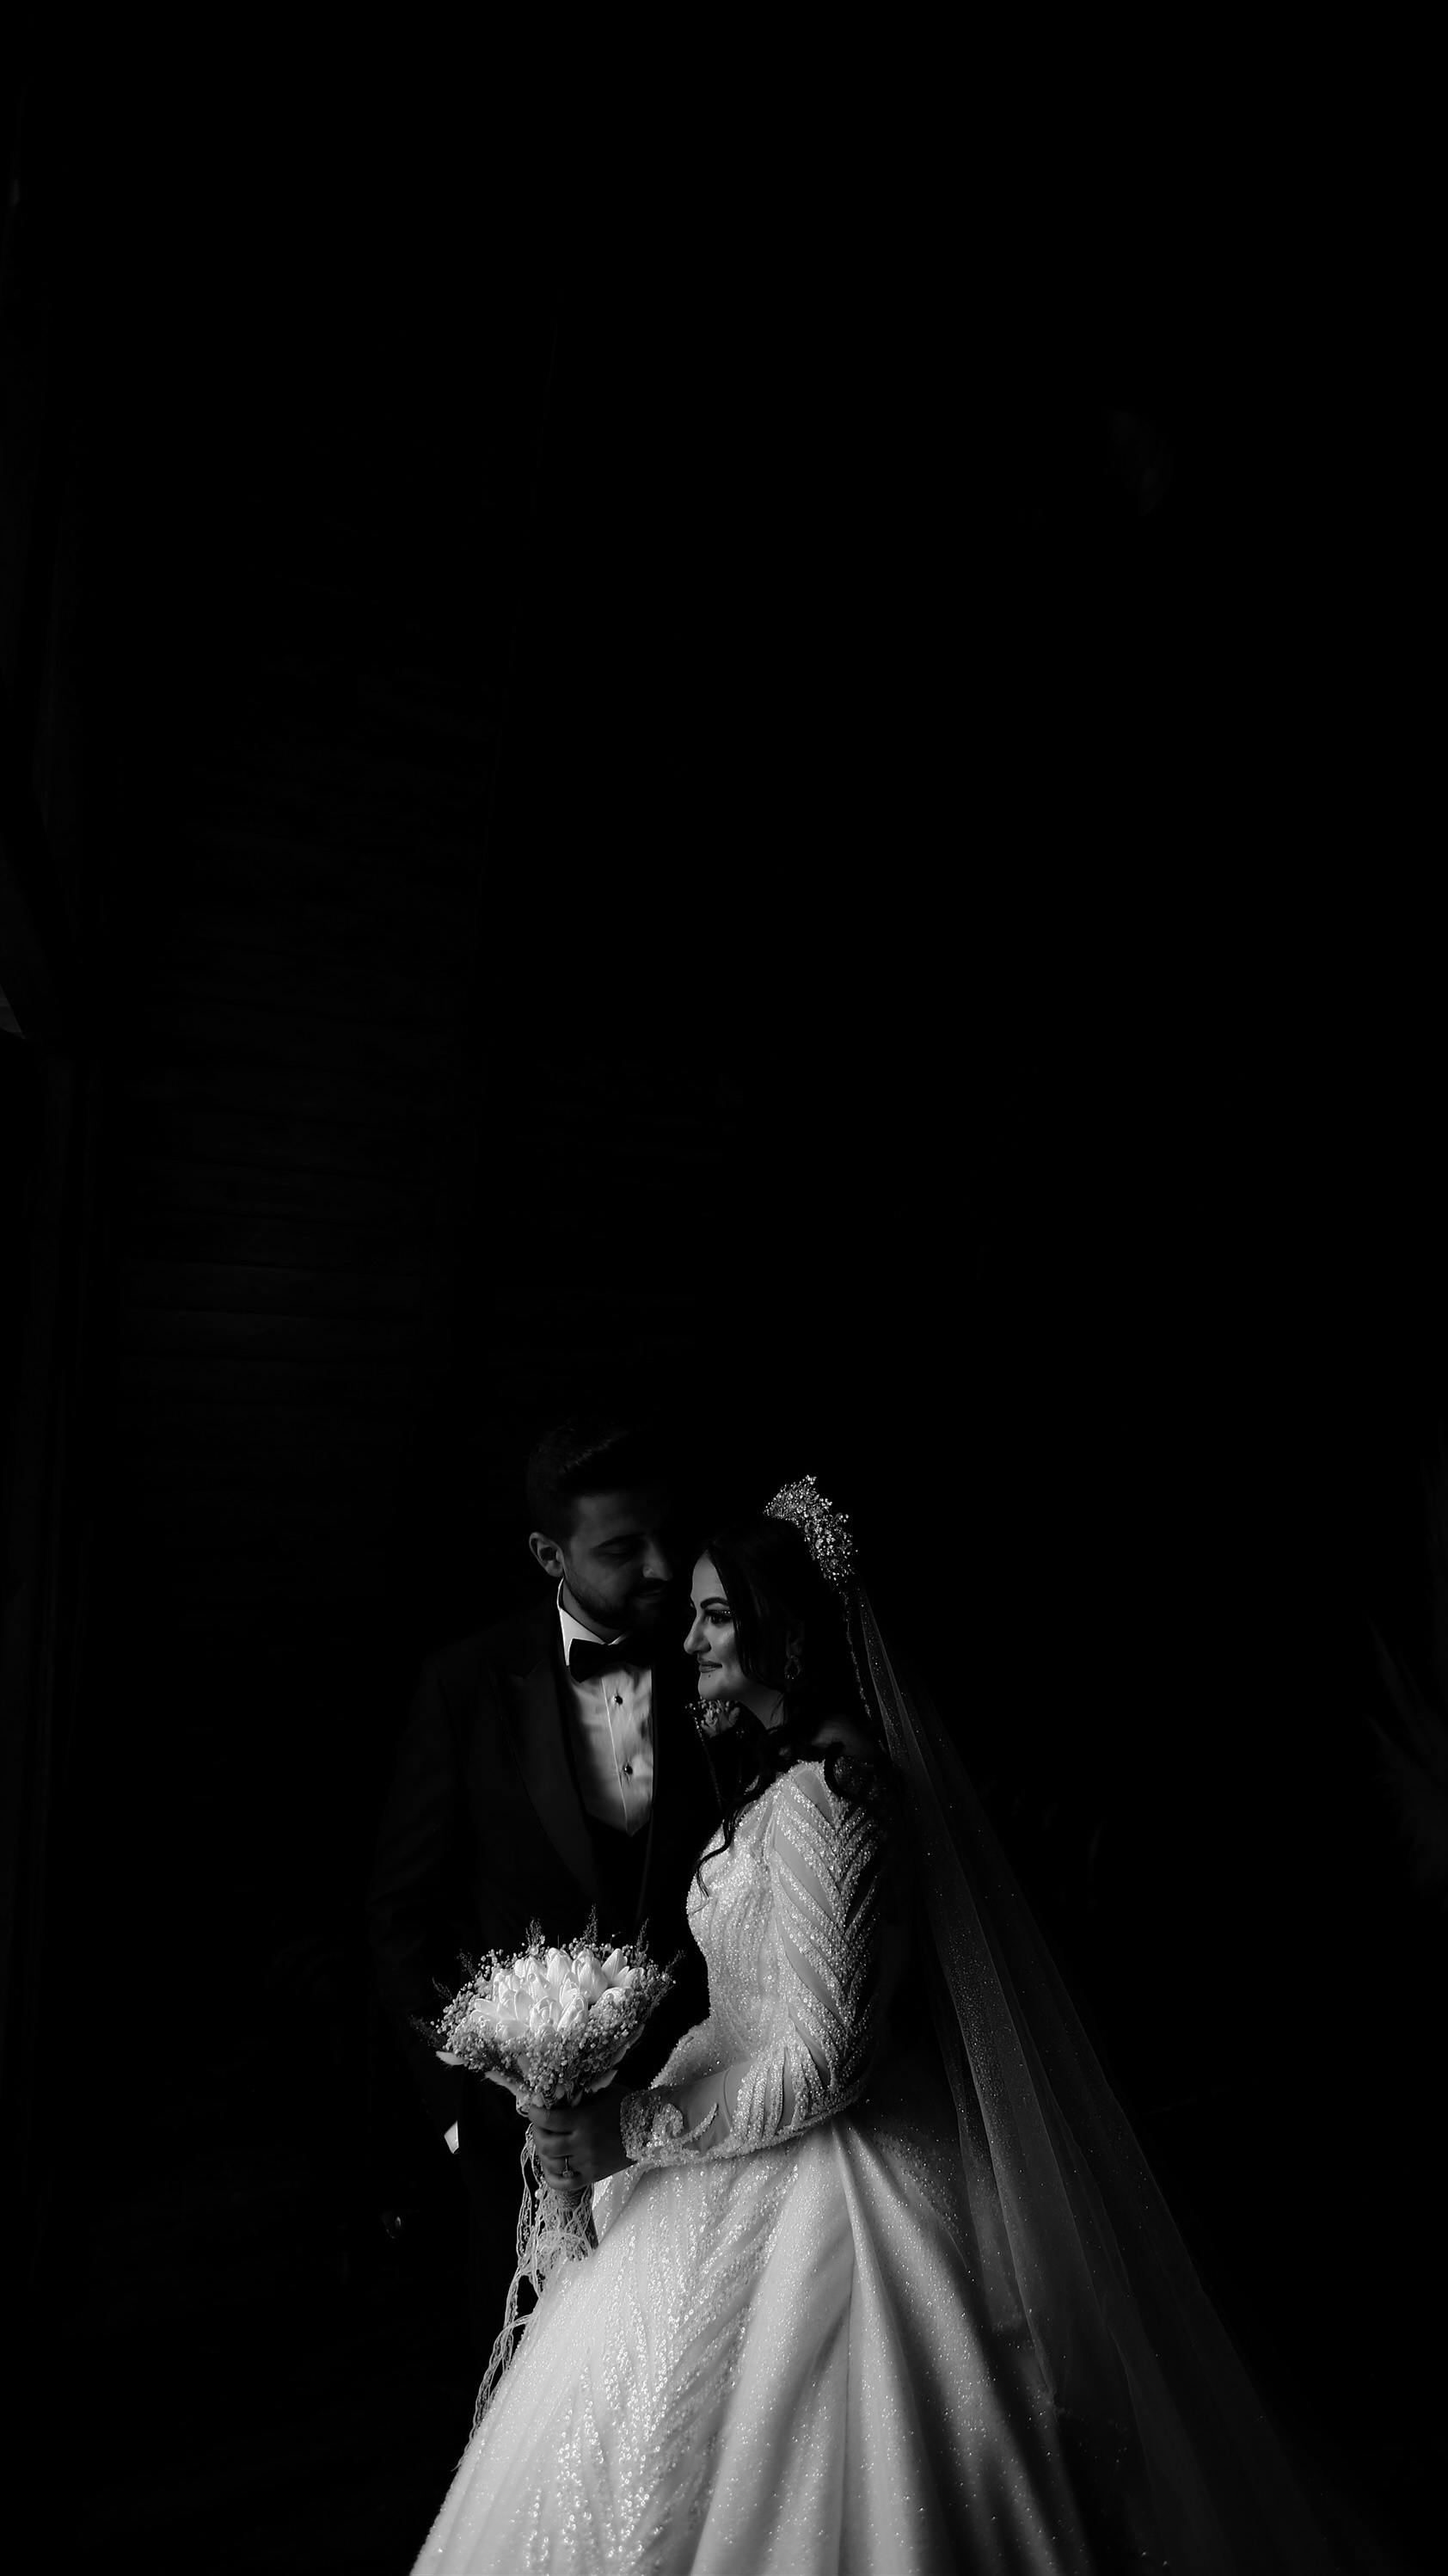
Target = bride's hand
(577,2142)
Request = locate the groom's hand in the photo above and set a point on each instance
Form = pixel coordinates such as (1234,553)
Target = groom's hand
(582,2136)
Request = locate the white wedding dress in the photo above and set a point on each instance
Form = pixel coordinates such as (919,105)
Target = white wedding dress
(781,2358)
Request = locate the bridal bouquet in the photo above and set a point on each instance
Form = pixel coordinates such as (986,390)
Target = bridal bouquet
(552,2025)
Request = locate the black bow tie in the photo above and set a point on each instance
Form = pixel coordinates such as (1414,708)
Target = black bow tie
(586,1660)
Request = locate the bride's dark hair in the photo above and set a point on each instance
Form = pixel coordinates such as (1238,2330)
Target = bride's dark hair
(777,1596)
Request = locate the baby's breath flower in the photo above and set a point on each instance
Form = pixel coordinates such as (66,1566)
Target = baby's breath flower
(552,2023)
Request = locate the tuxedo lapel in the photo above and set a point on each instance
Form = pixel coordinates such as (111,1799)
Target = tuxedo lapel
(534,1712)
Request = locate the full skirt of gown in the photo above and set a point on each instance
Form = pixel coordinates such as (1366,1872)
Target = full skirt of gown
(777,2364)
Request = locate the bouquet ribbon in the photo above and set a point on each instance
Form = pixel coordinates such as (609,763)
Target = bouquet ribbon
(553,2227)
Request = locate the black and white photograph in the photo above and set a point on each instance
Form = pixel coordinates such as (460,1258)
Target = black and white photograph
(723,1307)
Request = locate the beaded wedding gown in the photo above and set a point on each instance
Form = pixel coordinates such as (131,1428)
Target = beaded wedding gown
(784,2357)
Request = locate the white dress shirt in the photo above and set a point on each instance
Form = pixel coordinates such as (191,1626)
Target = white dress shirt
(613,1735)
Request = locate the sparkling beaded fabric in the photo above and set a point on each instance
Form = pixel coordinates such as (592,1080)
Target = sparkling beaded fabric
(783,2358)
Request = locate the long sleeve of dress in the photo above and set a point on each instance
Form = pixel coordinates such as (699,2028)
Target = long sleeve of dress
(827,1870)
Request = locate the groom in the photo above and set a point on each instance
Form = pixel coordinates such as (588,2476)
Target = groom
(548,1766)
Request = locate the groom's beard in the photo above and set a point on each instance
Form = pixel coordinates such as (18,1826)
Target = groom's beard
(642,1614)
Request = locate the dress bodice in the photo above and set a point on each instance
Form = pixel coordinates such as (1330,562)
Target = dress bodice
(790,1920)
(732,1918)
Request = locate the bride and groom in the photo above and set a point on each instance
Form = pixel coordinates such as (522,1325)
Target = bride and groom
(880,2281)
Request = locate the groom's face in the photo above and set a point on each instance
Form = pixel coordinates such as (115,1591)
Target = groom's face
(616,1560)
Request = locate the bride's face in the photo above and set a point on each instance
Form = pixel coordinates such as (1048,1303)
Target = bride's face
(711,1639)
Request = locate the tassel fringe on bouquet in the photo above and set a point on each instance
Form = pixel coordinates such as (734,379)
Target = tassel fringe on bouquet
(551,2230)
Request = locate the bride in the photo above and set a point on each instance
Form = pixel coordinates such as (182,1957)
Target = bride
(881,2283)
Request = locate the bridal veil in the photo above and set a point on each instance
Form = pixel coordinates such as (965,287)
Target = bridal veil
(1164,2430)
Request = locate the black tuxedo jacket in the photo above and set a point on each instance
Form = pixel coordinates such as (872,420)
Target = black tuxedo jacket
(484,1833)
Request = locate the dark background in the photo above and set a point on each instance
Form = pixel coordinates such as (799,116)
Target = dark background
(767,781)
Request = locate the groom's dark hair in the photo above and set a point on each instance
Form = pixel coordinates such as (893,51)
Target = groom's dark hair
(588,1454)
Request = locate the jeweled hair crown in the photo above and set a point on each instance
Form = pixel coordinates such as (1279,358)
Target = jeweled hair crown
(826,1531)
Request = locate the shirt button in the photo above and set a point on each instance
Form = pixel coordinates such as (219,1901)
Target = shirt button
(618,1699)
(628,1770)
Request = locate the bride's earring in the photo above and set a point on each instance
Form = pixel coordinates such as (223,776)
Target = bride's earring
(793,1667)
